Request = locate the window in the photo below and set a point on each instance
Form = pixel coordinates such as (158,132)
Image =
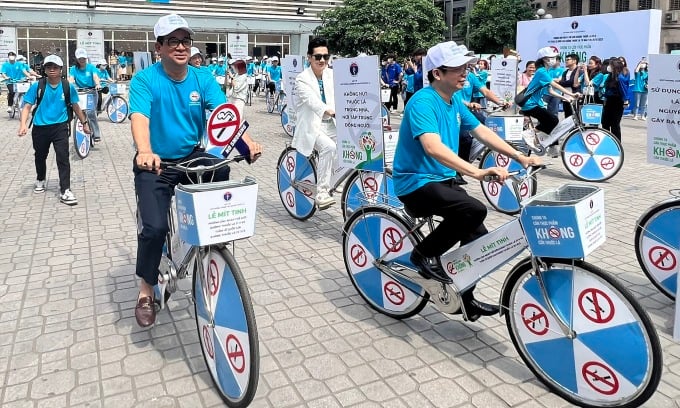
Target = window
(594,7)
(622,5)
(576,7)
(457,15)
(645,4)
(674,5)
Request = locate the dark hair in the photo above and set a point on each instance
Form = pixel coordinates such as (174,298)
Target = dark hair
(11,53)
(613,78)
(419,51)
(574,57)
(598,65)
(240,66)
(316,42)
(540,63)
(160,39)
(530,62)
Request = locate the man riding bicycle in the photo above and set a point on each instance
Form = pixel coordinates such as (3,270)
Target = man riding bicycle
(426,163)
(84,75)
(14,71)
(274,75)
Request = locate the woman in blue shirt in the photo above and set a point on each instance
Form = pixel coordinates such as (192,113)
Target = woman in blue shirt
(640,91)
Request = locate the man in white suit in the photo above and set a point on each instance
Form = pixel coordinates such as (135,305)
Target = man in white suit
(315,112)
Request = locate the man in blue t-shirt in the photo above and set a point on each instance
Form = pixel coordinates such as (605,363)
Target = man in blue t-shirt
(52,127)
(168,102)
(274,75)
(85,76)
(15,71)
(426,163)
(391,77)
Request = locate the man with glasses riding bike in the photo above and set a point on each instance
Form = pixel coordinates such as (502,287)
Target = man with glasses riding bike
(426,163)
(168,101)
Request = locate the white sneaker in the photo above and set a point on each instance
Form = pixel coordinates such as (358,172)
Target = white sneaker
(10,109)
(529,137)
(553,151)
(635,117)
(324,200)
(39,186)
(68,198)
(643,117)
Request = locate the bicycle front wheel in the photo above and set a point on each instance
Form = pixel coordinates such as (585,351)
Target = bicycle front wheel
(18,102)
(294,172)
(657,248)
(502,196)
(592,155)
(614,359)
(285,122)
(225,321)
(269,100)
(81,140)
(117,109)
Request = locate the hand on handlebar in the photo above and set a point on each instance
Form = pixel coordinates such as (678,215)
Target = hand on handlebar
(493,173)
(527,161)
(150,161)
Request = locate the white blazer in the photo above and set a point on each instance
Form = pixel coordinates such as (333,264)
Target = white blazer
(310,109)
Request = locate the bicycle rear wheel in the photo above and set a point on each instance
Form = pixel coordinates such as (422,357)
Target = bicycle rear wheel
(602,164)
(367,187)
(81,140)
(657,248)
(615,358)
(502,196)
(226,326)
(293,169)
(117,109)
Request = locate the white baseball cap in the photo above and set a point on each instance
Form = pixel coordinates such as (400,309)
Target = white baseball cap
(220,59)
(53,59)
(214,59)
(547,52)
(81,53)
(447,54)
(167,24)
(195,51)
(249,58)
(103,62)
(274,58)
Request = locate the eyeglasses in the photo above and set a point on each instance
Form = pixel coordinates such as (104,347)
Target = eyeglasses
(175,42)
(456,70)
(324,56)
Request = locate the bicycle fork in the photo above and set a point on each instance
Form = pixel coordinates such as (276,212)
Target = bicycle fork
(539,266)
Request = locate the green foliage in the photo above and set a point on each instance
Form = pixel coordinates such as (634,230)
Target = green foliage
(378,27)
(493,24)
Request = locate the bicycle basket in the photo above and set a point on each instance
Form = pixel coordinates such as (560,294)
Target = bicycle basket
(567,222)
(591,114)
(21,87)
(117,89)
(213,213)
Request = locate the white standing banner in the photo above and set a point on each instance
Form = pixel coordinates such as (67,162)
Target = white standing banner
(358,113)
(504,78)
(142,60)
(93,42)
(663,110)
(291,66)
(237,45)
(8,42)
(631,34)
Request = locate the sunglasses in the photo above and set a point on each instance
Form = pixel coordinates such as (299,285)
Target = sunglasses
(324,56)
(175,42)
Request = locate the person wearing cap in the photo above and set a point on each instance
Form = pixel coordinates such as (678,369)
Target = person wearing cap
(220,68)
(104,80)
(274,75)
(542,84)
(168,103)
(426,163)
(14,71)
(212,65)
(85,76)
(237,87)
(51,127)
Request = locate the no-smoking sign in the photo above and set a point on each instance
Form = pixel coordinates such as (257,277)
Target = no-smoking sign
(223,124)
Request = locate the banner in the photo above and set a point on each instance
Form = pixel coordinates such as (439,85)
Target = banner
(631,34)
(358,113)
(93,42)
(504,78)
(663,110)
(8,42)
(142,60)
(237,45)
(291,66)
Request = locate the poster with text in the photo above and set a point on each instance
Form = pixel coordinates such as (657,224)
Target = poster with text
(8,42)
(93,42)
(504,78)
(357,113)
(237,45)
(663,110)
(291,66)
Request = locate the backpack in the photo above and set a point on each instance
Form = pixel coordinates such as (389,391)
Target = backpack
(65,87)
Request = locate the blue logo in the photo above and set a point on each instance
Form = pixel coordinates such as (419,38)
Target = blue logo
(227,196)
(354,69)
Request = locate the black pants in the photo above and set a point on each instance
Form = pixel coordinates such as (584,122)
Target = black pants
(465,138)
(394,98)
(463,216)
(612,112)
(408,96)
(57,135)
(10,95)
(546,120)
(154,193)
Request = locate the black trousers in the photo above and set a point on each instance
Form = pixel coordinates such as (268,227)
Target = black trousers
(394,98)
(154,193)
(546,120)
(463,216)
(612,112)
(56,135)
(10,95)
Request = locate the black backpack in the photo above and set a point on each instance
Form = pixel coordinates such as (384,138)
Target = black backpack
(65,87)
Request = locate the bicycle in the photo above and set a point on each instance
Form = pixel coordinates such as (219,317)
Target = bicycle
(657,244)
(115,105)
(20,88)
(249,96)
(83,142)
(286,122)
(225,319)
(276,101)
(589,153)
(575,326)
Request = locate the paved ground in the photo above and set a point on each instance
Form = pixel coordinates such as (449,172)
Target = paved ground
(67,290)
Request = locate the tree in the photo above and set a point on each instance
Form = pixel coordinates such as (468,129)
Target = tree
(378,27)
(493,24)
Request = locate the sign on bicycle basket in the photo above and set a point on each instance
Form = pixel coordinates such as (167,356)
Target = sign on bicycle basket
(213,213)
(223,124)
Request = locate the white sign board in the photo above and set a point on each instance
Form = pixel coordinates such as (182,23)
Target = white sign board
(237,45)
(663,110)
(631,34)
(504,78)
(8,42)
(93,42)
(358,113)
(291,66)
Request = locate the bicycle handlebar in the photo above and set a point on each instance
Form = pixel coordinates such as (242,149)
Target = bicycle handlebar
(201,168)
(528,172)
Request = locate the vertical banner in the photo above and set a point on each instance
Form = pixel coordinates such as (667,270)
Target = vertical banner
(663,112)
(358,113)
(291,66)
(504,78)
(8,42)
(93,42)
(142,60)
(237,45)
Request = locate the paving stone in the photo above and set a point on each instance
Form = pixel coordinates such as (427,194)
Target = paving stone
(53,384)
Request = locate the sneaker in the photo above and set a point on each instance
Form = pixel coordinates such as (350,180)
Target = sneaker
(324,200)
(68,198)
(643,117)
(529,137)
(635,117)
(39,186)
(429,268)
(554,151)
(9,109)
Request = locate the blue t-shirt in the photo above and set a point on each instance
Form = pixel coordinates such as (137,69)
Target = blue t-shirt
(14,71)
(391,73)
(482,76)
(274,73)
(472,85)
(220,70)
(410,88)
(176,109)
(427,112)
(640,82)
(103,75)
(84,77)
(250,69)
(52,108)
(539,86)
